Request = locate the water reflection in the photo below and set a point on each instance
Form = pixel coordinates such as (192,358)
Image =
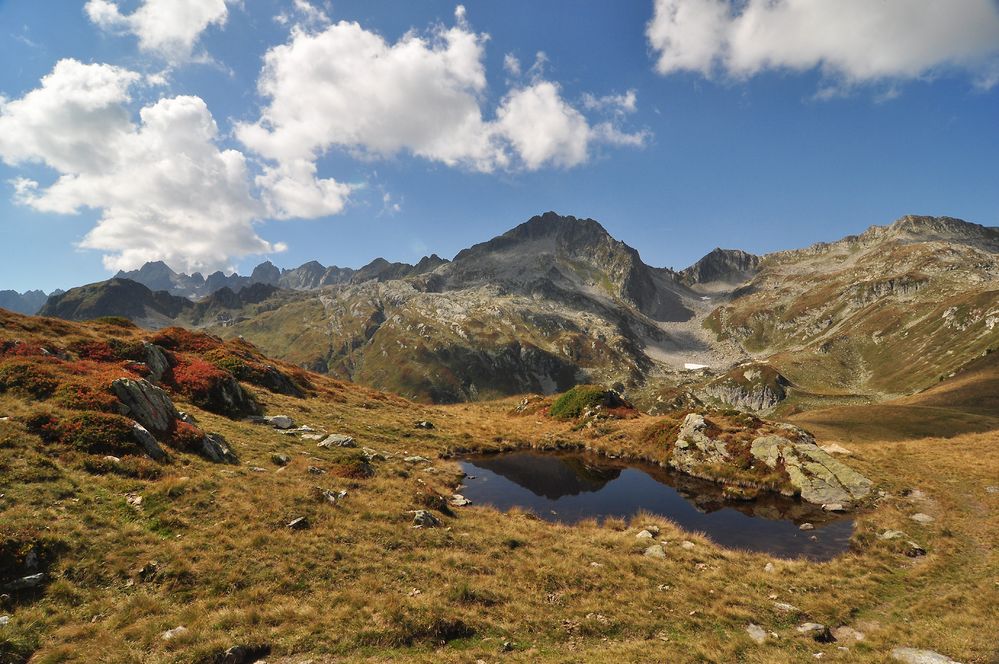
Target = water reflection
(572,487)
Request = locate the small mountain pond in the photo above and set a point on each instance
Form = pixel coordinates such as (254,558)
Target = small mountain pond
(570,487)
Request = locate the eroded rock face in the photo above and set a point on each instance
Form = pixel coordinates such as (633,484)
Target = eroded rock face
(147,404)
(215,448)
(819,477)
(156,360)
(147,442)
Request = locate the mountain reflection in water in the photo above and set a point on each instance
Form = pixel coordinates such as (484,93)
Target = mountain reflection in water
(572,487)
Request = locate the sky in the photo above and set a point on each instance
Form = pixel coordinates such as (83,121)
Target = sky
(216,134)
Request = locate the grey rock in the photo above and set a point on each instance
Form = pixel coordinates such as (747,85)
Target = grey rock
(415,459)
(459,500)
(847,634)
(147,404)
(147,442)
(424,424)
(315,470)
(644,534)
(4,620)
(301,523)
(655,551)
(922,519)
(156,360)
(26,582)
(280,421)
(787,608)
(171,634)
(916,656)
(819,477)
(215,448)
(280,459)
(806,526)
(834,507)
(817,631)
(992,489)
(914,550)
(890,535)
(756,633)
(337,440)
(186,417)
(330,496)
(424,519)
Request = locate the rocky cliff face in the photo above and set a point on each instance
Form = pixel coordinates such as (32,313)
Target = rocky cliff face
(28,302)
(722,266)
(117,297)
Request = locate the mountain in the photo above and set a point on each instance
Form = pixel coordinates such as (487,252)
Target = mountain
(28,302)
(557,301)
(872,316)
(117,297)
(721,268)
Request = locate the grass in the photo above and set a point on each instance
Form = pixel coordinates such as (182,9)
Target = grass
(361,584)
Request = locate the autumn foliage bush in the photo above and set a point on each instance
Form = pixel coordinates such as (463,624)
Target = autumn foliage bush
(179,339)
(186,437)
(81,396)
(93,433)
(28,378)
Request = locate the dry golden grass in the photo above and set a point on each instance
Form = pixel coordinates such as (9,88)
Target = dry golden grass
(344,590)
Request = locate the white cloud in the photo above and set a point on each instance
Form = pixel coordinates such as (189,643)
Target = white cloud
(618,104)
(511,64)
(857,41)
(164,189)
(169,28)
(347,87)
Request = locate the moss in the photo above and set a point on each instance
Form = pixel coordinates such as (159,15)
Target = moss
(579,399)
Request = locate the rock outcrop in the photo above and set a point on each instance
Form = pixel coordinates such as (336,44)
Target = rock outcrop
(778,457)
(147,404)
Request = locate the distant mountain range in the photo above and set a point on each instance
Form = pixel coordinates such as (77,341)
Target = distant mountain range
(557,301)
(28,302)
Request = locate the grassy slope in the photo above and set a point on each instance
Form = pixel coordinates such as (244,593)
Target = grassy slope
(344,590)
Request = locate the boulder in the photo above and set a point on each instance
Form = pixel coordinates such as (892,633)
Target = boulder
(817,631)
(215,448)
(279,421)
(655,551)
(147,442)
(147,404)
(424,424)
(337,440)
(922,519)
(156,360)
(26,582)
(459,500)
(280,459)
(819,477)
(916,656)
(301,523)
(171,634)
(694,448)
(424,519)
(847,634)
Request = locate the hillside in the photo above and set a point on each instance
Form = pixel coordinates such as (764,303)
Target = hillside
(240,538)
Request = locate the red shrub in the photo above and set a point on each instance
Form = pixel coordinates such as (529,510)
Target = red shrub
(186,436)
(179,339)
(97,351)
(17,348)
(80,396)
(197,378)
(27,378)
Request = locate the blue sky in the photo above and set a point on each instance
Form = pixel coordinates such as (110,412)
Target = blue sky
(731,141)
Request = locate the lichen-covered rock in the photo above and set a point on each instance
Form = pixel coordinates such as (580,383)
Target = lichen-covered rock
(748,454)
(147,404)
(215,448)
(819,477)
(694,448)
(147,442)
(156,360)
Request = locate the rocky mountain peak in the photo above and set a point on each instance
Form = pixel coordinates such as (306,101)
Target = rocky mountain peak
(265,273)
(726,266)
(915,228)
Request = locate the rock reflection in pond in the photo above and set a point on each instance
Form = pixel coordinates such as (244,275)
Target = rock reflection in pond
(571,487)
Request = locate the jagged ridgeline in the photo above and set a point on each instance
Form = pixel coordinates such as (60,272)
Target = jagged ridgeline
(557,302)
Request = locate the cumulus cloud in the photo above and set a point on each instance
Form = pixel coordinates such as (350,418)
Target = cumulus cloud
(855,41)
(347,87)
(163,187)
(168,28)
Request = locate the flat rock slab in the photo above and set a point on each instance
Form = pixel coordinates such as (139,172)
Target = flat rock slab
(917,656)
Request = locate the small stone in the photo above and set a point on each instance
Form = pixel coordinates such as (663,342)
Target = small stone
(655,551)
(922,519)
(26,582)
(913,550)
(788,608)
(916,656)
(806,526)
(644,534)
(280,459)
(133,500)
(834,507)
(112,459)
(890,535)
(301,523)
(459,500)
(756,633)
(847,634)
(312,436)
(4,620)
(769,568)
(337,440)
(992,489)
(415,459)
(329,496)
(424,519)
(688,545)
(314,470)
(280,421)
(817,631)
(653,529)
(506,647)
(835,448)
(173,633)
(423,424)
(258,469)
